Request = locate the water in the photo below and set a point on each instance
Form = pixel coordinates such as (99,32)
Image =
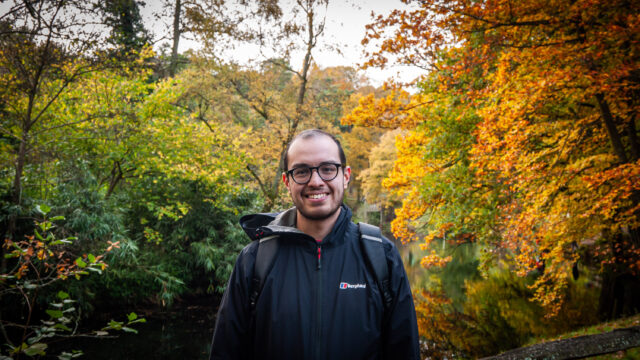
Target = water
(184,332)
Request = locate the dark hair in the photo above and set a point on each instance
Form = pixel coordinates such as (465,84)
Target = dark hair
(306,134)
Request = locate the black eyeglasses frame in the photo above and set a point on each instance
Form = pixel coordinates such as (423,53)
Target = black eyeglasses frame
(316,168)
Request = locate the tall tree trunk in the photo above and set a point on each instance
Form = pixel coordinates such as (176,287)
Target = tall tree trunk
(305,71)
(17,180)
(116,176)
(620,289)
(612,131)
(303,75)
(633,139)
(176,38)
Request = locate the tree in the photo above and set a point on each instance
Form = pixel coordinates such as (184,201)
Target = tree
(555,87)
(381,161)
(358,143)
(39,262)
(282,105)
(127,30)
(43,46)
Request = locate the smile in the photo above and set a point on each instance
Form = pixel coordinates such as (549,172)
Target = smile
(317,196)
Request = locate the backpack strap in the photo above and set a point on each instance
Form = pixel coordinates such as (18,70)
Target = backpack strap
(371,241)
(267,250)
(372,246)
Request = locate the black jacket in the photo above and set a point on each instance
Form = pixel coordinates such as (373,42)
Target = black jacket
(319,301)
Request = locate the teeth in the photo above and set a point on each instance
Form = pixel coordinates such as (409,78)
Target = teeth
(316,196)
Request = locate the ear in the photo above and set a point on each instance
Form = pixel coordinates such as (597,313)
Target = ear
(285,180)
(347,175)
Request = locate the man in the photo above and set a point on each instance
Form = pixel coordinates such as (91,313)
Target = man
(319,300)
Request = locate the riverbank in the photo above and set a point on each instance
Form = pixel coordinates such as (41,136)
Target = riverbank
(182,331)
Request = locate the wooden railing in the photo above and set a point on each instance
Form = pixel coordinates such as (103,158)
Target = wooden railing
(577,348)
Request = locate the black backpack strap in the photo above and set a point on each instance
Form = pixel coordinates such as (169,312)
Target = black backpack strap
(371,241)
(267,250)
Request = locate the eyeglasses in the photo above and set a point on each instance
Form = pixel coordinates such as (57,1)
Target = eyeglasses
(302,174)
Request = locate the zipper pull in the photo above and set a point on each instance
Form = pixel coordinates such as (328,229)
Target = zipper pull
(319,243)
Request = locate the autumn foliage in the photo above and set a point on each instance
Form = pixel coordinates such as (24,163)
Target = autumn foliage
(523,136)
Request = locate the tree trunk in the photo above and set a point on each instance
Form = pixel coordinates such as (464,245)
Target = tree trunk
(17,180)
(305,70)
(620,290)
(16,199)
(612,131)
(303,75)
(633,139)
(116,176)
(176,39)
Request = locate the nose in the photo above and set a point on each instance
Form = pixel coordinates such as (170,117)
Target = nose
(315,179)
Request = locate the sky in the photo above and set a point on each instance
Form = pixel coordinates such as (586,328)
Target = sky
(344,27)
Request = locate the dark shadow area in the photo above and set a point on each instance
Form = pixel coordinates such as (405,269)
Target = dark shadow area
(184,331)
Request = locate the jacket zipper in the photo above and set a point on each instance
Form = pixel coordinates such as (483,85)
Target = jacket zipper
(319,301)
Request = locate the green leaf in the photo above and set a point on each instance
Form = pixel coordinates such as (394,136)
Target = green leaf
(62,327)
(129,330)
(91,258)
(116,325)
(132,316)
(56,218)
(44,209)
(59,242)
(81,263)
(68,356)
(17,349)
(35,349)
(56,314)
(95,270)
(62,295)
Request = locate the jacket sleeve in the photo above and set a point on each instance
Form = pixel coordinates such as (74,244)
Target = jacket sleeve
(232,332)
(400,326)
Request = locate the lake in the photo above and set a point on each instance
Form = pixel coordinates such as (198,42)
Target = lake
(184,331)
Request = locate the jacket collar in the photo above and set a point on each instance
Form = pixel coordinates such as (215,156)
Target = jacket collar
(284,224)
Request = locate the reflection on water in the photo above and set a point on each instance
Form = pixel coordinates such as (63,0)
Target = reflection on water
(184,332)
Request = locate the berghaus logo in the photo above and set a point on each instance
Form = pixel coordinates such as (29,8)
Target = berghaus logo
(344,285)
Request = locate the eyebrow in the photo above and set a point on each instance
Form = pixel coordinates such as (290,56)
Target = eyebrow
(295,165)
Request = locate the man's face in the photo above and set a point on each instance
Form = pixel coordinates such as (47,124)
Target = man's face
(318,199)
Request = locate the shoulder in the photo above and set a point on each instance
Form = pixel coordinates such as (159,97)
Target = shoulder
(247,257)
(389,246)
(250,249)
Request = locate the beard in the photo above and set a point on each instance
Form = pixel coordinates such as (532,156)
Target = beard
(322,216)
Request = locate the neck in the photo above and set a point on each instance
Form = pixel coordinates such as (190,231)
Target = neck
(319,229)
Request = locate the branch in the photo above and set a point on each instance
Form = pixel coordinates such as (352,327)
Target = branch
(496,24)
(283,65)
(255,176)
